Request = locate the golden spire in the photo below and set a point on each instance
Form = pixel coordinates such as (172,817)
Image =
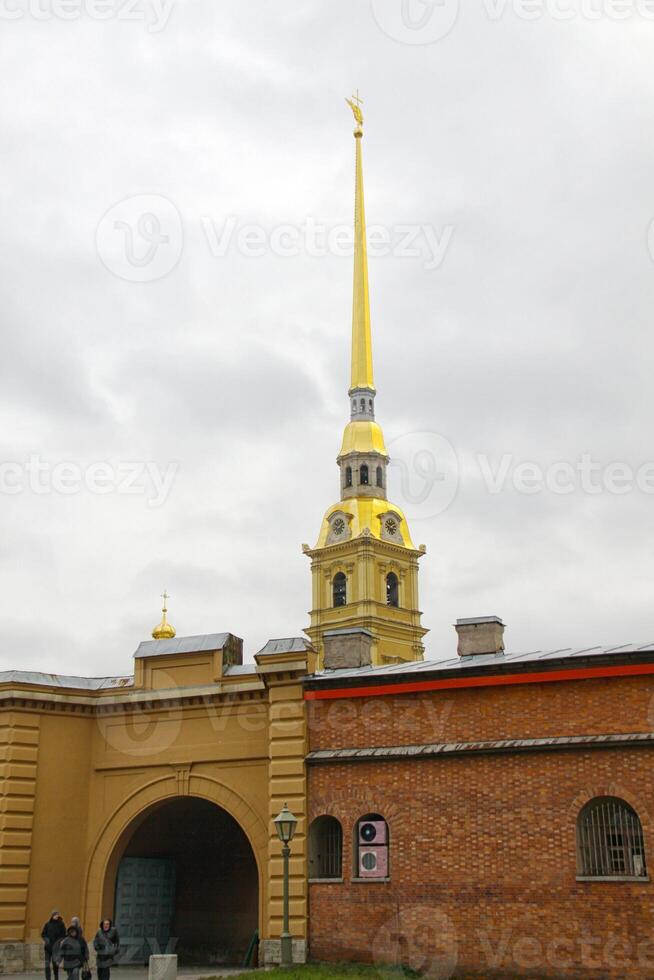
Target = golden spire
(164,631)
(362,376)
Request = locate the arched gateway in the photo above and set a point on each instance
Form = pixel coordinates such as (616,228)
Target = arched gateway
(160,791)
(183,876)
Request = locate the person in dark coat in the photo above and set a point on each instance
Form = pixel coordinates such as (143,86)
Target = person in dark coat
(106,945)
(73,952)
(52,933)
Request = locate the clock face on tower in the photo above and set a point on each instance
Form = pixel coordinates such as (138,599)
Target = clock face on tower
(339,528)
(390,525)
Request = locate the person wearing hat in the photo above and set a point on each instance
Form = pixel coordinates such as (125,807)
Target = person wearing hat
(52,933)
(107,946)
(73,953)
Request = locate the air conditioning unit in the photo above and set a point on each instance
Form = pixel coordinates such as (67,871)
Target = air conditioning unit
(373,862)
(372,832)
(373,849)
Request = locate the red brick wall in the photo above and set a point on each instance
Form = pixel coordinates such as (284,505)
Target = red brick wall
(591,707)
(483,849)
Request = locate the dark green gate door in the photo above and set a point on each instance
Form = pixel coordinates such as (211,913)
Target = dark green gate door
(145,905)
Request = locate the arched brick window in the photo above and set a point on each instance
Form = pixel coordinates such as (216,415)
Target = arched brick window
(325,848)
(371,847)
(340,589)
(610,840)
(392,590)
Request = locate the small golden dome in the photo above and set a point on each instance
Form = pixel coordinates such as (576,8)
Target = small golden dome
(164,631)
(363,437)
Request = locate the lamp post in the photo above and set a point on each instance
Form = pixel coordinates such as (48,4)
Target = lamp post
(285,825)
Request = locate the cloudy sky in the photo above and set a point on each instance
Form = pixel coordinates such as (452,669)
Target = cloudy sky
(177,186)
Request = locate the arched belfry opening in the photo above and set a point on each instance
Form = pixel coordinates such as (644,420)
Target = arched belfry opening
(186,881)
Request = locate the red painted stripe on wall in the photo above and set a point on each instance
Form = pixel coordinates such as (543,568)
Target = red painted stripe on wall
(494,680)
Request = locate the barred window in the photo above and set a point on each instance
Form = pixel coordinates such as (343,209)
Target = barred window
(610,840)
(325,848)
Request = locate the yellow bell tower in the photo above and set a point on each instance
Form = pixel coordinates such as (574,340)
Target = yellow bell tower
(365,565)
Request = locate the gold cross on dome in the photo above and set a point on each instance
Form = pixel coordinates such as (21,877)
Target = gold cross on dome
(356,98)
(165,597)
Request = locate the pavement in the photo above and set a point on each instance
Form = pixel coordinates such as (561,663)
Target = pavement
(141,973)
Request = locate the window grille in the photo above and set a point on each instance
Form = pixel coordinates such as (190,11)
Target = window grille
(610,839)
(326,848)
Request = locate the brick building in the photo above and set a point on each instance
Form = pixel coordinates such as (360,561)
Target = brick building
(517,796)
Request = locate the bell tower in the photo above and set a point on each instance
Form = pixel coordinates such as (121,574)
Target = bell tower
(364,566)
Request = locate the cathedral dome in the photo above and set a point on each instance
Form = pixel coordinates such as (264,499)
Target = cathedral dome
(368,515)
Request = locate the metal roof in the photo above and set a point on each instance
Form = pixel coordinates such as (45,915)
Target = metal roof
(291,644)
(182,644)
(483,660)
(482,747)
(236,670)
(479,621)
(40,679)
(62,680)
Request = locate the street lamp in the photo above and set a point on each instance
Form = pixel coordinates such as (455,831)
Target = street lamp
(285,825)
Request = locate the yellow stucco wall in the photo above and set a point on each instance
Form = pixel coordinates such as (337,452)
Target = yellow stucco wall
(366,561)
(79,770)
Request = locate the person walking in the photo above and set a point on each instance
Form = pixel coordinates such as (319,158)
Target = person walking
(73,953)
(52,933)
(106,945)
(76,922)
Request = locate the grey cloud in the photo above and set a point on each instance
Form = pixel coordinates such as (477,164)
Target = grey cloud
(533,338)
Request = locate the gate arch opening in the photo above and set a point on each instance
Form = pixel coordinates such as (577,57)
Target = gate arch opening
(184,877)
